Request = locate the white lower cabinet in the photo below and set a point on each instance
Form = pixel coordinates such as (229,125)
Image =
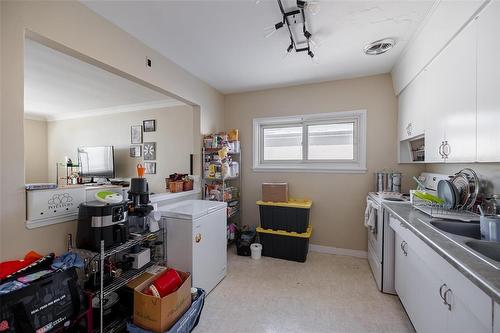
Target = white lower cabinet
(436,296)
(496,317)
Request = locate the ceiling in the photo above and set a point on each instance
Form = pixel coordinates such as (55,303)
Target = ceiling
(58,86)
(223,43)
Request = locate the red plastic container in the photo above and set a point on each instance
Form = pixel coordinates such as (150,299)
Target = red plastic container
(168,282)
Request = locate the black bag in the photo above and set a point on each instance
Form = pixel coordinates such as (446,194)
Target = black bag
(44,305)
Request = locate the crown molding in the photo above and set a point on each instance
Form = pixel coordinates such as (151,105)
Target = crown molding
(104,111)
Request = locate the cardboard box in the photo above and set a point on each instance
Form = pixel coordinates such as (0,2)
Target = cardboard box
(275,192)
(159,314)
(127,292)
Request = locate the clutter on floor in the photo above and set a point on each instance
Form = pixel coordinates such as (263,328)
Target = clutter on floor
(117,273)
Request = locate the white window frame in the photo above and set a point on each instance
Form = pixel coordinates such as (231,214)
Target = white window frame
(357,165)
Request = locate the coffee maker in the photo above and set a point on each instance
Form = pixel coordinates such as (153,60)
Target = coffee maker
(138,206)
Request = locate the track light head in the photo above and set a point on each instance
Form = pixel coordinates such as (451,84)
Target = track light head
(278,25)
(310,53)
(307,34)
(290,48)
(301,4)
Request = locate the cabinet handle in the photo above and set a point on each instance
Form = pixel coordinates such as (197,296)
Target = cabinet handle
(409,129)
(197,238)
(446,149)
(441,147)
(441,291)
(405,248)
(403,244)
(445,298)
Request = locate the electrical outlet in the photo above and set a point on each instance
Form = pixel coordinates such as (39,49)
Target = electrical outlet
(149,63)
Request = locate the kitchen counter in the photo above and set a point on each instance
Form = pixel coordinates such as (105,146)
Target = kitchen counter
(168,197)
(482,271)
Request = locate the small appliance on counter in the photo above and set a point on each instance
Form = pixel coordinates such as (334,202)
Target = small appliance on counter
(139,206)
(101,221)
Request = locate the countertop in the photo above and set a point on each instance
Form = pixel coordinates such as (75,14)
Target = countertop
(482,274)
(158,197)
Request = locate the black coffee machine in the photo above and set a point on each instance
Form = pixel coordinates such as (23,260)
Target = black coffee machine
(101,221)
(138,206)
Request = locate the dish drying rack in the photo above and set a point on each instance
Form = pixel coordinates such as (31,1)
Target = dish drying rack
(439,211)
(466,183)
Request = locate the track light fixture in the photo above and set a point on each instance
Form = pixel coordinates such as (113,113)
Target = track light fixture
(295,16)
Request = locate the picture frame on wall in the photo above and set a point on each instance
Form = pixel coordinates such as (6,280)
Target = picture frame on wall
(149,151)
(135,134)
(150,168)
(149,125)
(135,151)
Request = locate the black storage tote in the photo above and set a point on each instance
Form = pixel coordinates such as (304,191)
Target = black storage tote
(285,245)
(291,216)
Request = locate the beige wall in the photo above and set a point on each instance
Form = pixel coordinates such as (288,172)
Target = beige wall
(80,32)
(35,151)
(338,199)
(173,142)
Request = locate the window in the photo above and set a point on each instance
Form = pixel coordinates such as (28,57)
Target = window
(319,142)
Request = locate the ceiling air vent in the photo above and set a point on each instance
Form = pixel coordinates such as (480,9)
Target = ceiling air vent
(379,46)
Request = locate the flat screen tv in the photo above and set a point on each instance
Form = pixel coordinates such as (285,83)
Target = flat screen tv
(96,162)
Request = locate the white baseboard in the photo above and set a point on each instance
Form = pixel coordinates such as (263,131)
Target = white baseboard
(338,251)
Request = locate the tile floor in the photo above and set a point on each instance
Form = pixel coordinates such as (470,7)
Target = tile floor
(328,293)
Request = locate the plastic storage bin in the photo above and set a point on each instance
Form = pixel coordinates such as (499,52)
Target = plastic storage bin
(291,216)
(285,245)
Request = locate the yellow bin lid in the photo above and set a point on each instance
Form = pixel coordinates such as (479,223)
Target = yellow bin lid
(306,234)
(292,203)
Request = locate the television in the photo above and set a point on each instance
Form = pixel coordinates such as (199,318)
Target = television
(96,162)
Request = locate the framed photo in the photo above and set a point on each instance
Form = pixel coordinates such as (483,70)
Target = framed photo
(149,125)
(136,134)
(149,151)
(150,168)
(135,151)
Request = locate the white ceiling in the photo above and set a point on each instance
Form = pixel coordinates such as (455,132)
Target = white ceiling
(222,42)
(58,86)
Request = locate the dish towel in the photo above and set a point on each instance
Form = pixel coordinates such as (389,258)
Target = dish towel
(370,217)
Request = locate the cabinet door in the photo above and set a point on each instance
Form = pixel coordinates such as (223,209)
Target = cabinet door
(412,108)
(488,83)
(452,100)
(496,315)
(428,308)
(460,318)
(401,269)
(418,289)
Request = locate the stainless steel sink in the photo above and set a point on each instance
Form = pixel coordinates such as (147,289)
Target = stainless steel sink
(466,229)
(488,249)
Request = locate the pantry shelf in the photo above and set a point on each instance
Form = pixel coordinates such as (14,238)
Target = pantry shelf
(223,158)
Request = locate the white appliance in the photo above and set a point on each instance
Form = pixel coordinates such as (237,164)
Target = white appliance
(196,240)
(381,238)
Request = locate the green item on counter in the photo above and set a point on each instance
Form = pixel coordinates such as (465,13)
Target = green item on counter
(428,197)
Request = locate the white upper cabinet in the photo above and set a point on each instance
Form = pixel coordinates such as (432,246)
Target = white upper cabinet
(451,117)
(444,20)
(450,124)
(488,84)
(412,108)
